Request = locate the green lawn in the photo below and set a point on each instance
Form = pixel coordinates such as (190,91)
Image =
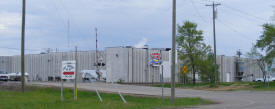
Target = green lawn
(257,86)
(49,98)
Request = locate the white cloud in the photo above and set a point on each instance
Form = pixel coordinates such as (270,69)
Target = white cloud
(2,27)
(9,24)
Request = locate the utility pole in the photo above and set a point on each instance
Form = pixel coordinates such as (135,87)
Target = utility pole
(96,54)
(68,32)
(213,5)
(23,45)
(76,71)
(173,69)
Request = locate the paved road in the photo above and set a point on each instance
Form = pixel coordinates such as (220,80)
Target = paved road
(226,99)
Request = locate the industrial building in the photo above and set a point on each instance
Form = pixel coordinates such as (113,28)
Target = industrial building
(125,64)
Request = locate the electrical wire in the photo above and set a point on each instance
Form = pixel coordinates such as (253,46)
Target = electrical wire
(197,11)
(243,13)
(234,30)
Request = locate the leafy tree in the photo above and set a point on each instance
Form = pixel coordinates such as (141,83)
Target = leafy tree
(208,70)
(259,60)
(267,42)
(191,47)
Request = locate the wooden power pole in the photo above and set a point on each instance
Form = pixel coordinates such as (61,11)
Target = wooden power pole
(213,5)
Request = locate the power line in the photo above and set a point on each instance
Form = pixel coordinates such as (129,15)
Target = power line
(197,11)
(234,30)
(244,13)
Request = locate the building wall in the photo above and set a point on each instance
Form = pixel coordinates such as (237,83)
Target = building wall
(132,65)
(41,66)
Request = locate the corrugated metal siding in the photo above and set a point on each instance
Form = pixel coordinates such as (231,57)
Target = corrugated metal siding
(41,66)
(136,65)
(131,65)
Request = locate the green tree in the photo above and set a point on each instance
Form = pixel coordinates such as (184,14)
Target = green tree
(267,42)
(191,47)
(208,70)
(258,59)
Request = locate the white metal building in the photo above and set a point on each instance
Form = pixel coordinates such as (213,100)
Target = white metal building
(123,64)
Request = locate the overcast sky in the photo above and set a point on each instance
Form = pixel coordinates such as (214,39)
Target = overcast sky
(128,22)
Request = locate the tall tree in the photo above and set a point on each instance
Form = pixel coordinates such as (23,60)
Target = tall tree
(258,59)
(190,46)
(267,42)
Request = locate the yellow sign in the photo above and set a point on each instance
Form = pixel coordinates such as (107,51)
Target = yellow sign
(184,69)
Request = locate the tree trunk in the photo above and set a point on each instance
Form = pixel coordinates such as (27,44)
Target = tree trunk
(194,74)
(264,78)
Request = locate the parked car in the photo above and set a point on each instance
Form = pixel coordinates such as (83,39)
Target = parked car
(268,79)
(4,76)
(16,76)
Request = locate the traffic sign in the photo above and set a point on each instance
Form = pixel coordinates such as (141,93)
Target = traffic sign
(68,70)
(269,68)
(184,69)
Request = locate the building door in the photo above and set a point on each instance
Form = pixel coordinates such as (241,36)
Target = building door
(228,76)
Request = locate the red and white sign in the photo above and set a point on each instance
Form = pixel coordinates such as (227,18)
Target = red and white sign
(156,56)
(68,70)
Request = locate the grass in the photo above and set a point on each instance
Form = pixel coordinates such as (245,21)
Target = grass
(232,86)
(49,98)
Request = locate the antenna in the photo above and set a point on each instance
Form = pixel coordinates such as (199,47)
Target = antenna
(68,32)
(96,54)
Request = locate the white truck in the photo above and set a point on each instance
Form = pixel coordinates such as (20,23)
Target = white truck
(269,78)
(16,76)
(4,76)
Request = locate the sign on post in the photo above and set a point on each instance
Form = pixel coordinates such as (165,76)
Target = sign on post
(184,69)
(68,70)
(156,61)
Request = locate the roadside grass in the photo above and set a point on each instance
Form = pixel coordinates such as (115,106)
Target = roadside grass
(49,98)
(230,86)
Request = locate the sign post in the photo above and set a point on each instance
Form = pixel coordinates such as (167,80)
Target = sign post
(162,83)
(68,72)
(61,97)
(75,82)
(184,70)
